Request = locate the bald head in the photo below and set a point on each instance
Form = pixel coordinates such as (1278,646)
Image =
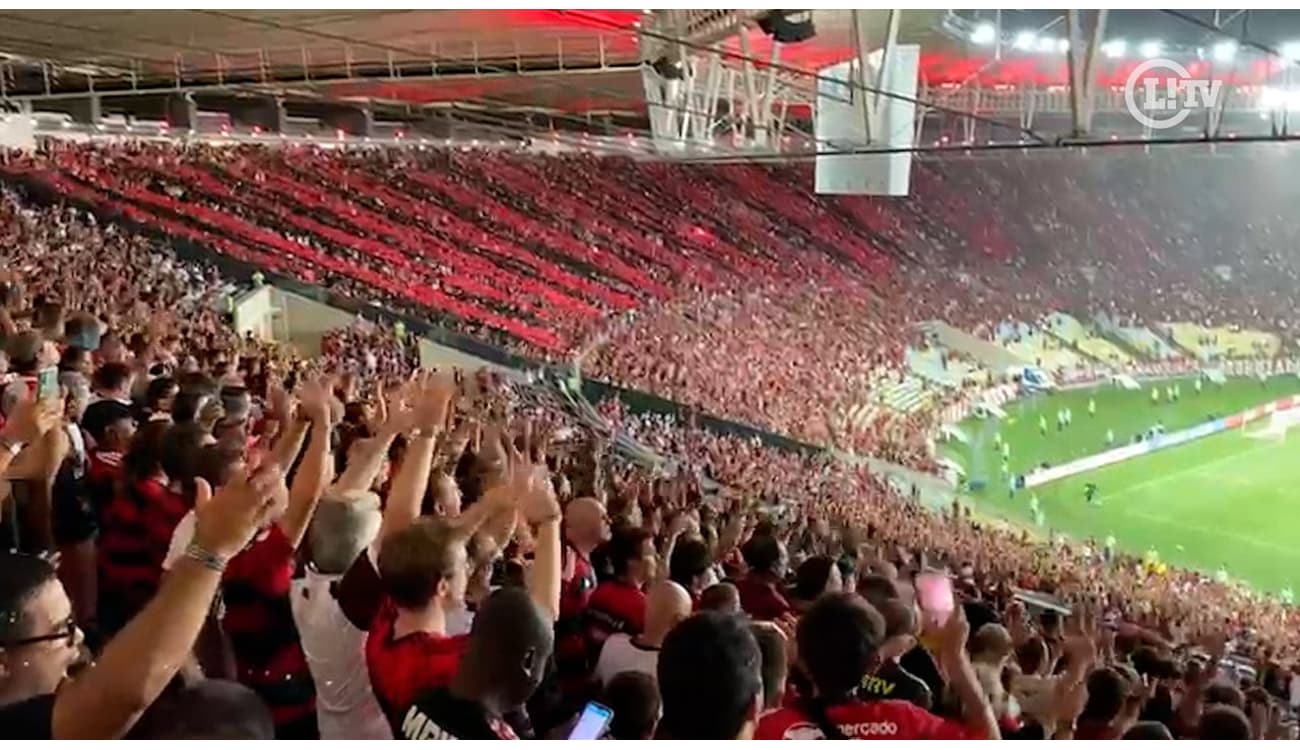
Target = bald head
(586,523)
(667,604)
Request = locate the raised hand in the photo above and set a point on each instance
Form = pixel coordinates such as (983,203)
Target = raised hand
(32,418)
(1068,700)
(535,492)
(435,397)
(280,403)
(211,413)
(1080,647)
(226,522)
(316,400)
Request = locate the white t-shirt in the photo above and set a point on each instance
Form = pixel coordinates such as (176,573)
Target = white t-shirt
(182,535)
(620,654)
(336,654)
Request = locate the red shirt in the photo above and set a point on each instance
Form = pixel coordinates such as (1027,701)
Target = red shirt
(104,473)
(135,533)
(614,607)
(401,668)
(571,655)
(760,599)
(876,720)
(576,590)
(259,621)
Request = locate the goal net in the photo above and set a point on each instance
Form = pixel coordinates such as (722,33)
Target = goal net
(1276,426)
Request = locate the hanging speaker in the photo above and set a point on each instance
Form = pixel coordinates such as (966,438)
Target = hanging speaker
(788,26)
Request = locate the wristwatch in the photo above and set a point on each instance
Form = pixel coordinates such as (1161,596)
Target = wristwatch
(13,446)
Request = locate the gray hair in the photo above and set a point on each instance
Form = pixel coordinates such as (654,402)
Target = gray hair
(342,527)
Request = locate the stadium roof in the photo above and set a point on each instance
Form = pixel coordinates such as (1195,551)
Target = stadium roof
(567,60)
(575,60)
(569,66)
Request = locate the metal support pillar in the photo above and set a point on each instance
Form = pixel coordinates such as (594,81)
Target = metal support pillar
(1082,61)
(869,79)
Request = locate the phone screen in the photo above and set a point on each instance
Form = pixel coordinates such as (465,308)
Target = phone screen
(592,723)
(934,593)
(47,383)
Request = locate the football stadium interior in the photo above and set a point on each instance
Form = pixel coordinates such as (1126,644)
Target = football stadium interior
(865,310)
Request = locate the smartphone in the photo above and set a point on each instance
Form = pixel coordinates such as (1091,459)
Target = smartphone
(47,383)
(592,723)
(934,594)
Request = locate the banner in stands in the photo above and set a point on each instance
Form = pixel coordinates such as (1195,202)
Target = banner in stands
(1152,444)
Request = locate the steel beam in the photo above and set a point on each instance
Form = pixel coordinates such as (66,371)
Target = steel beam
(1081,61)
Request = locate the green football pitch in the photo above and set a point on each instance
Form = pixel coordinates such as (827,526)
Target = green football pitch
(1230,501)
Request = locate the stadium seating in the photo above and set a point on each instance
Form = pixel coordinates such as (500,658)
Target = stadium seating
(463,238)
(1231,342)
(731,290)
(1072,332)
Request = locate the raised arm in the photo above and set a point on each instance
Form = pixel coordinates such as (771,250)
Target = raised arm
(433,401)
(541,511)
(976,713)
(292,429)
(310,480)
(22,455)
(107,699)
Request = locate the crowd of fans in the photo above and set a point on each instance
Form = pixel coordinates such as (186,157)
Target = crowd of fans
(215,538)
(660,278)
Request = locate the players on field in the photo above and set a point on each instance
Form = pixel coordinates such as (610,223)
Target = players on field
(1090,494)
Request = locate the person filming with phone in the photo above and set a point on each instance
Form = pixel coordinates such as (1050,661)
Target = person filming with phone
(838,645)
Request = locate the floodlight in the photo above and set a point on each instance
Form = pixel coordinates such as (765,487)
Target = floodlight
(1025,40)
(1291,51)
(1150,48)
(985,33)
(1114,48)
(1225,51)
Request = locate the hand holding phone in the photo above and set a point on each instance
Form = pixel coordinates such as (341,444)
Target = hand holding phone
(593,722)
(934,594)
(47,384)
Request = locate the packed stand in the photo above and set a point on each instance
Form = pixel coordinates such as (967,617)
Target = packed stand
(370,351)
(663,277)
(255,546)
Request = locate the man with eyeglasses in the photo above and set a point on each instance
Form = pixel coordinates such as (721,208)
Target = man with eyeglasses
(39,640)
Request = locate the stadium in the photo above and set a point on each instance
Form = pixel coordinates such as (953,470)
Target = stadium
(631,374)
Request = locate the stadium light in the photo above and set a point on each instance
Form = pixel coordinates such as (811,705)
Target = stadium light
(1225,51)
(1046,44)
(1150,48)
(1114,48)
(1025,40)
(985,33)
(1062,45)
(1291,51)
